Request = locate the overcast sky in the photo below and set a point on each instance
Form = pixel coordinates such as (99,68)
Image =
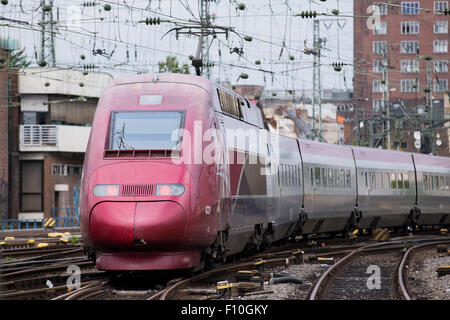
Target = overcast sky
(130,46)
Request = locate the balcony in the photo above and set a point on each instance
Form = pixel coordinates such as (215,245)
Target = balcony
(53,138)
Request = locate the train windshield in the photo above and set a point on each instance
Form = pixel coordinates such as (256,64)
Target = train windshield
(145,130)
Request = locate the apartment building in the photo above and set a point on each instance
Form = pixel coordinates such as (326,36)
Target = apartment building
(401,55)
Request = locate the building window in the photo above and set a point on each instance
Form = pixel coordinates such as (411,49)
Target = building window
(440,66)
(31,188)
(378,86)
(382,28)
(378,105)
(379,47)
(410,8)
(441,27)
(377,66)
(440,85)
(410,47)
(410,27)
(440,6)
(383,8)
(409,86)
(440,46)
(409,66)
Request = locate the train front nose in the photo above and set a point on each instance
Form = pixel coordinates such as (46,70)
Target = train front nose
(137,225)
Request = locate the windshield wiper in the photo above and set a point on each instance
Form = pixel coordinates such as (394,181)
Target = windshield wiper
(121,140)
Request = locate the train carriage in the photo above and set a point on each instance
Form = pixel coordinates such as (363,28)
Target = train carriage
(386,187)
(433,189)
(329,186)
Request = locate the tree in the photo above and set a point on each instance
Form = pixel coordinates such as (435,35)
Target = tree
(171,65)
(18,59)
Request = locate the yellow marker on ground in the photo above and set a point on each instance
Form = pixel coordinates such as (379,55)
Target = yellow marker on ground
(31,241)
(49,223)
(42,245)
(9,238)
(55,235)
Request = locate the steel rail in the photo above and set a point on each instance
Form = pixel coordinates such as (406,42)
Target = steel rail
(402,266)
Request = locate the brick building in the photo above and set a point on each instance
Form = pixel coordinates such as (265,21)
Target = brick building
(8,116)
(50,129)
(402,57)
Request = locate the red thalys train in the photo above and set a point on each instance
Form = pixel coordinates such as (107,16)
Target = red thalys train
(179,170)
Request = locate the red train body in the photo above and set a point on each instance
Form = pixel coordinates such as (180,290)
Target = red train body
(135,228)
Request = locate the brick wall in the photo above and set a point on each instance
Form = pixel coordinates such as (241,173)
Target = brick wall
(364,57)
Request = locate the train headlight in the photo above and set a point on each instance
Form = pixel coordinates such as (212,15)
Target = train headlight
(169,189)
(106,190)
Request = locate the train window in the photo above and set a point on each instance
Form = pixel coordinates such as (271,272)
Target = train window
(317,176)
(337,184)
(446,183)
(400,181)
(406,181)
(366,180)
(387,180)
(312,177)
(436,182)
(291,175)
(348,179)
(330,178)
(324,177)
(430,183)
(373,181)
(294,180)
(229,104)
(441,183)
(425,182)
(342,178)
(393,181)
(380,180)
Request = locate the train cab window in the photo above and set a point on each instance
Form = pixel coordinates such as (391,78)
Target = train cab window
(337,183)
(441,183)
(317,176)
(324,178)
(393,181)
(406,181)
(145,130)
(400,181)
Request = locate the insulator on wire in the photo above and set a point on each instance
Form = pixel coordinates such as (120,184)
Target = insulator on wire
(307,14)
(152,21)
(89,66)
(89,4)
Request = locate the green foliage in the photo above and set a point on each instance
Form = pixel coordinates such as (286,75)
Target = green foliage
(171,65)
(75,239)
(18,59)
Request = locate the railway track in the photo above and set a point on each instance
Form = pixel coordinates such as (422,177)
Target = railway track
(372,272)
